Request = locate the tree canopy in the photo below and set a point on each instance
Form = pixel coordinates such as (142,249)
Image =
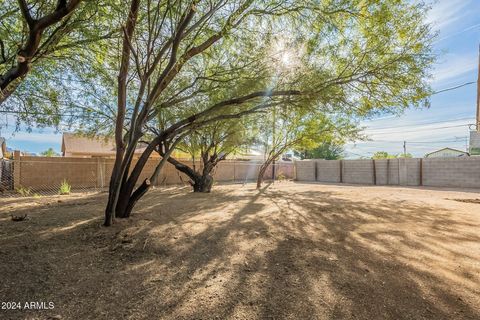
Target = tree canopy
(41,44)
(386,155)
(326,150)
(156,72)
(50,152)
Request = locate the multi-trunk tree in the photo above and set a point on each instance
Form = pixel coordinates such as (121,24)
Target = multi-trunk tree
(288,129)
(207,147)
(353,57)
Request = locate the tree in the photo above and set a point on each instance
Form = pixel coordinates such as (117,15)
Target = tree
(383,155)
(354,58)
(49,153)
(39,38)
(212,144)
(158,61)
(292,130)
(326,150)
(406,155)
(386,155)
(16,65)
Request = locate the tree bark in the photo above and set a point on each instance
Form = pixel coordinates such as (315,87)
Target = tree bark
(121,162)
(261,174)
(126,189)
(263,169)
(203,183)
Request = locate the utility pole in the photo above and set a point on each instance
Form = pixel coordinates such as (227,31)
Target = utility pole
(404,149)
(478,93)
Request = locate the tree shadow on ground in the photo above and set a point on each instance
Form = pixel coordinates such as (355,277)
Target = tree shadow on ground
(240,253)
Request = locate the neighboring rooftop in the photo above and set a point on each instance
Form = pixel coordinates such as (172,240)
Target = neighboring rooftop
(447,153)
(74,145)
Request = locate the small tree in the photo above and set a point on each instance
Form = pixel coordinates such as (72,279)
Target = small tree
(383,155)
(296,131)
(211,144)
(386,155)
(49,153)
(327,150)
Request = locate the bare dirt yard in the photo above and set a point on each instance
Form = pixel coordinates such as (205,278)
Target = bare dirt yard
(289,251)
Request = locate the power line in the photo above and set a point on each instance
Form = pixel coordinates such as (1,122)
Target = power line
(424,129)
(422,142)
(422,124)
(453,88)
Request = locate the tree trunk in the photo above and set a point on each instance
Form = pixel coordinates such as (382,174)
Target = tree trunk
(132,201)
(122,158)
(126,198)
(200,182)
(203,183)
(261,172)
(261,175)
(113,190)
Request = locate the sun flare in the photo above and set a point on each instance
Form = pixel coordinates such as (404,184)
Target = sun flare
(285,55)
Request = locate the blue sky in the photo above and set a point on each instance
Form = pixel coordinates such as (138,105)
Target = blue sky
(444,124)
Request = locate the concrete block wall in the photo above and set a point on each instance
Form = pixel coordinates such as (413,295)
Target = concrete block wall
(328,170)
(413,171)
(435,172)
(305,170)
(382,169)
(358,171)
(452,172)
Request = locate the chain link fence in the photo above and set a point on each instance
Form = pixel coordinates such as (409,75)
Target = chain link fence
(33,178)
(45,176)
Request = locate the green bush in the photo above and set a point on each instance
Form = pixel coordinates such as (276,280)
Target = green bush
(65,187)
(281,176)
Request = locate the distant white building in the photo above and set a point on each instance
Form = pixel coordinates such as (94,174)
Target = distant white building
(447,153)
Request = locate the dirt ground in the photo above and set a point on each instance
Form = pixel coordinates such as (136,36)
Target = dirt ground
(289,251)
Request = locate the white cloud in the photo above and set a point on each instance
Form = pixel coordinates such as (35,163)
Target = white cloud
(454,66)
(420,139)
(35,137)
(445,12)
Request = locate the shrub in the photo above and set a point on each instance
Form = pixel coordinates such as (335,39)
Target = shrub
(24,192)
(281,176)
(65,187)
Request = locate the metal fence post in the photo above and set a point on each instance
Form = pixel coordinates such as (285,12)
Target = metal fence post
(16,170)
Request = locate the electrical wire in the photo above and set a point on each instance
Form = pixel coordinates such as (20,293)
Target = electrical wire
(424,129)
(423,124)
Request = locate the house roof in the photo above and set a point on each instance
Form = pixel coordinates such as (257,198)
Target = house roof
(452,149)
(72,143)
